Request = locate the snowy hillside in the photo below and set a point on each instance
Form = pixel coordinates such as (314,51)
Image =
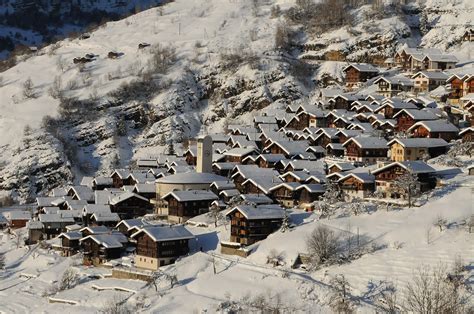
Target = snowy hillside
(404,239)
(210,62)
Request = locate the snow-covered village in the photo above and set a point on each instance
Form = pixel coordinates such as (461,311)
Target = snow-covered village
(237,156)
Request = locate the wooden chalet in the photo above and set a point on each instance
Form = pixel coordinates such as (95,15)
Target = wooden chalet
(340,167)
(223,168)
(335,150)
(342,101)
(268,160)
(130,205)
(359,73)
(238,154)
(218,186)
(100,248)
(384,176)
(407,117)
(183,205)
(130,226)
(250,224)
(468,35)
(434,129)
(160,246)
(286,194)
(365,149)
(104,219)
(409,149)
(191,156)
(357,185)
(309,193)
(467,135)
(54,224)
(425,81)
(17,218)
(70,244)
(101,183)
(390,108)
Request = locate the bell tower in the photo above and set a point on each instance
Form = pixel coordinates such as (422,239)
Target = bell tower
(204,154)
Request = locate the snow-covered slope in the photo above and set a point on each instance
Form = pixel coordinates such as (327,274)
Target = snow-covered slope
(221,65)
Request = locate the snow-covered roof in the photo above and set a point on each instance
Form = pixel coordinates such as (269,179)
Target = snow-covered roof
(102,181)
(167,233)
(95,229)
(34,225)
(71,235)
(290,147)
(419,142)
(95,208)
(145,188)
(191,178)
(17,215)
(312,188)
(438,57)
(292,186)
(256,198)
(105,217)
(223,185)
(364,177)
(271,211)
(432,75)
(129,223)
(362,67)
(82,192)
(466,130)
(230,193)
(435,126)
(343,166)
(416,166)
(368,142)
(417,114)
(270,157)
(52,218)
(191,195)
(125,196)
(109,241)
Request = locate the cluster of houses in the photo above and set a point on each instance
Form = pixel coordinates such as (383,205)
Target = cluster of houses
(426,72)
(286,157)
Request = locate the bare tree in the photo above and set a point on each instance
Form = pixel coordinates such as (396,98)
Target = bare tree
(116,306)
(388,300)
(275,258)
(430,292)
(406,185)
(162,58)
(357,206)
(340,299)
(216,214)
(55,90)
(323,245)
(28,89)
(69,279)
(440,222)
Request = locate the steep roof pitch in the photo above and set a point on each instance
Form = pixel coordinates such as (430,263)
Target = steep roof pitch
(419,142)
(435,126)
(165,233)
(271,211)
(416,166)
(368,142)
(362,67)
(191,195)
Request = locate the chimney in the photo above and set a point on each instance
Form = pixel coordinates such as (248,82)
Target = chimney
(204,154)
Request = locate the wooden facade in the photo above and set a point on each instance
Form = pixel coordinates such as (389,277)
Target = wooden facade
(247,232)
(187,209)
(421,131)
(95,254)
(165,251)
(131,208)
